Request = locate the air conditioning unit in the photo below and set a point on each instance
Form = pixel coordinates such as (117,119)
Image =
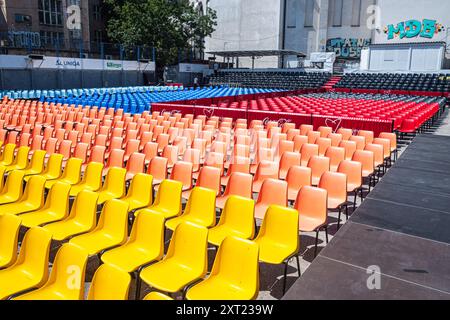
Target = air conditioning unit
(108,57)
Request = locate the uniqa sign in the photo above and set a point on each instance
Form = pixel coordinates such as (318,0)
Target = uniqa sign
(68,63)
(426,28)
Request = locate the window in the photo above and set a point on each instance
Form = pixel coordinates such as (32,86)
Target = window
(97,13)
(21,18)
(52,39)
(291,14)
(337,13)
(50,12)
(309,13)
(356,13)
(98,36)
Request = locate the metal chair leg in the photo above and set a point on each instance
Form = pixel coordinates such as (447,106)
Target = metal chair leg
(298,266)
(339,218)
(285,276)
(317,242)
(326,233)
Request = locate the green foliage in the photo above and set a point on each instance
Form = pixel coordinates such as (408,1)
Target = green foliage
(167,25)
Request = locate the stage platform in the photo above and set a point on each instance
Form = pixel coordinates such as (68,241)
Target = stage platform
(402,228)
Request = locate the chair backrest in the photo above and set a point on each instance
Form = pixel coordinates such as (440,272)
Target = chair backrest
(288,160)
(114,220)
(136,163)
(273,192)
(299,141)
(116,158)
(360,142)
(336,185)
(324,144)
(131,146)
(14,184)
(141,187)
(65,148)
(58,199)
(214,159)
(9,236)
(238,215)
(189,247)
(239,164)
(201,206)
(72,171)
(171,154)
(305,128)
(353,170)
(313,136)
(366,158)
(193,156)
(97,154)
(318,165)
(34,191)
(80,152)
(158,168)
(84,209)
(378,155)
(266,170)
(147,232)
(336,155)
(34,254)
(115,181)
(386,143)
(312,202)
(346,133)
(280,225)
(239,184)
(150,150)
(325,131)
(392,138)
(37,161)
(93,175)
(308,150)
(54,165)
(109,283)
(209,178)
(298,177)
(69,271)
(182,171)
(336,139)
(350,148)
(7,156)
(169,196)
(366,134)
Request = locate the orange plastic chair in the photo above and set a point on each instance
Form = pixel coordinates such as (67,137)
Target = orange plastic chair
(182,172)
(393,139)
(360,142)
(299,141)
(297,178)
(266,170)
(115,160)
(386,143)
(313,136)
(353,170)
(305,128)
(336,139)
(209,178)
(336,155)
(237,164)
(336,186)
(200,145)
(162,141)
(366,158)
(346,133)
(151,151)
(273,192)
(65,148)
(213,159)
(350,148)
(366,134)
(171,154)
(135,165)
(325,131)
(288,160)
(262,154)
(131,147)
(239,184)
(378,156)
(308,150)
(319,165)
(324,144)
(311,204)
(158,169)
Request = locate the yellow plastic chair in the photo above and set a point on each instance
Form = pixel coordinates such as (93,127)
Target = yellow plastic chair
(13,188)
(20,161)
(109,283)
(7,156)
(157,296)
(53,168)
(185,262)
(236,220)
(92,179)
(168,199)
(234,275)
(114,185)
(111,230)
(71,174)
(36,165)
(200,209)
(31,268)
(145,245)
(82,217)
(67,277)
(32,198)
(56,207)
(9,236)
(278,238)
(140,192)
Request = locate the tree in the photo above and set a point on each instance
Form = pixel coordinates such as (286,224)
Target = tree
(167,25)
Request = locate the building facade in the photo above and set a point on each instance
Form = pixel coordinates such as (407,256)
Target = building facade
(45,26)
(341,26)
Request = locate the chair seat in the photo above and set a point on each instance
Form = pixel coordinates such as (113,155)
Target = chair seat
(48,293)
(272,252)
(75,190)
(16,280)
(37,218)
(366,173)
(216,288)
(134,204)
(130,257)
(335,203)
(308,224)
(95,242)
(173,223)
(161,276)
(352,187)
(6,199)
(65,229)
(106,195)
(218,234)
(168,214)
(18,208)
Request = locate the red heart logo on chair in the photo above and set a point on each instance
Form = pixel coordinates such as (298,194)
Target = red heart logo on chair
(208,112)
(333,123)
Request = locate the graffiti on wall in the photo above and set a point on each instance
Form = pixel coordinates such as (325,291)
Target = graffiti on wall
(426,28)
(347,48)
(24,39)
